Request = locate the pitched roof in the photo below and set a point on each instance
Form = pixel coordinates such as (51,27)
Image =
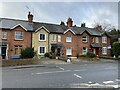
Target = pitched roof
(52,28)
(10,23)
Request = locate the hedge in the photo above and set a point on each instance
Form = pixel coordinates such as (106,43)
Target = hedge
(18,62)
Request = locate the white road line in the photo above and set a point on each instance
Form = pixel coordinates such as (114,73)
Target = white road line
(118,80)
(80,70)
(77,76)
(60,68)
(51,72)
(107,82)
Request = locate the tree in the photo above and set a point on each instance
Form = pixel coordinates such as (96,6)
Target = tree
(28,53)
(116,49)
(102,26)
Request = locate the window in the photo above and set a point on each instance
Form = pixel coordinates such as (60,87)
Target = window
(18,35)
(104,39)
(42,50)
(68,51)
(42,37)
(84,39)
(4,35)
(92,40)
(84,50)
(97,40)
(119,40)
(53,37)
(68,38)
(59,38)
(104,50)
(18,50)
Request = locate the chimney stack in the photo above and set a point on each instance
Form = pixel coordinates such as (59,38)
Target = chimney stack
(69,22)
(30,17)
(83,25)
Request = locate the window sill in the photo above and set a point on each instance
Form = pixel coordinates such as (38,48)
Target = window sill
(42,40)
(18,39)
(84,42)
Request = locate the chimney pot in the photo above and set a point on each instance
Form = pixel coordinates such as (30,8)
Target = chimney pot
(30,17)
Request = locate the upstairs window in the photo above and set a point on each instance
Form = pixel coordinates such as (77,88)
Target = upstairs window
(97,40)
(42,37)
(4,35)
(18,35)
(92,40)
(84,39)
(104,39)
(59,38)
(54,38)
(68,38)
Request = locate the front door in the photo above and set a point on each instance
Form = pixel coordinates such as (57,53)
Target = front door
(59,51)
(97,51)
(3,52)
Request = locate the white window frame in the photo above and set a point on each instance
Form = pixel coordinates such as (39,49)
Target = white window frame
(39,50)
(4,33)
(53,38)
(104,39)
(69,52)
(68,39)
(84,51)
(59,38)
(104,50)
(84,39)
(15,34)
(97,40)
(40,39)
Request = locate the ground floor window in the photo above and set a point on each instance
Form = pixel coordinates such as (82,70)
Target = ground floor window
(104,50)
(68,51)
(42,50)
(84,50)
(18,49)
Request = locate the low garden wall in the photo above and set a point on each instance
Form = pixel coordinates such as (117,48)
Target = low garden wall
(18,62)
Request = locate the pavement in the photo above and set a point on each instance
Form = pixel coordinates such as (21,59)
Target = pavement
(44,62)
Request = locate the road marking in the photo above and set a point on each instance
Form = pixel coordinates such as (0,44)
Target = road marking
(107,82)
(118,80)
(77,76)
(96,85)
(52,72)
(60,68)
(80,70)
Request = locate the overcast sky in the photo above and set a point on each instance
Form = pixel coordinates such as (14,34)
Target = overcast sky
(55,12)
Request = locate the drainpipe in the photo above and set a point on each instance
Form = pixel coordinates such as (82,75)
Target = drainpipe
(48,42)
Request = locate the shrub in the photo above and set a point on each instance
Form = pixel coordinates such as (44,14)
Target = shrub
(91,55)
(116,49)
(27,53)
(83,55)
(77,55)
(47,55)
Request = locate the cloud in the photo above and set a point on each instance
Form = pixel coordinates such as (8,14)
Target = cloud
(54,12)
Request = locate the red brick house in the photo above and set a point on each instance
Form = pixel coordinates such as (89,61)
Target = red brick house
(15,36)
(62,40)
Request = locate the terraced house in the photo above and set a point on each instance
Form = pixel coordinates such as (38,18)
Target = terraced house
(61,40)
